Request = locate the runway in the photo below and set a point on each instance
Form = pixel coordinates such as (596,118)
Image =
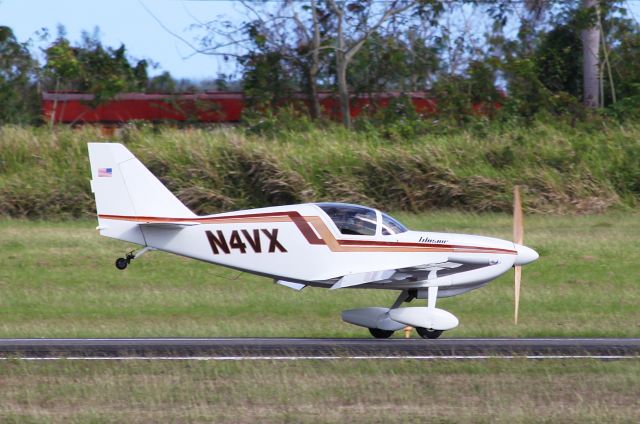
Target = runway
(301,348)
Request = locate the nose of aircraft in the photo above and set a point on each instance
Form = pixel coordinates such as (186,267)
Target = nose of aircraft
(525,254)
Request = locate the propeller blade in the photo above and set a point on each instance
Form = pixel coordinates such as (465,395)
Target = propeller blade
(518,276)
(518,237)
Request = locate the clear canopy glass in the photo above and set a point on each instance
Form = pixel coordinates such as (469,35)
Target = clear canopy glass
(359,220)
(391,226)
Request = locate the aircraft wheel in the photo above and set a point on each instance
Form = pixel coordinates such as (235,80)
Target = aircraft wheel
(380,334)
(427,333)
(121,263)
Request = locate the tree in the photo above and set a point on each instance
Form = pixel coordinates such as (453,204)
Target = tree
(364,19)
(19,101)
(586,21)
(309,48)
(590,35)
(320,29)
(266,80)
(92,68)
(623,44)
(163,83)
(394,61)
(277,47)
(558,59)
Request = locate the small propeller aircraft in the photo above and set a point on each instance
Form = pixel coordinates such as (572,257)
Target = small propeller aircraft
(330,245)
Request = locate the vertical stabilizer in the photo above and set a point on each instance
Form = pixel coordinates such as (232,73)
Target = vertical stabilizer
(124,187)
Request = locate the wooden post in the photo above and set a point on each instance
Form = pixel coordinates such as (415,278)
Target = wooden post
(407,331)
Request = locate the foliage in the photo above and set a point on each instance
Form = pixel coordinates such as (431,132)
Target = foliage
(19,101)
(266,82)
(162,83)
(272,123)
(387,62)
(92,68)
(624,56)
(559,60)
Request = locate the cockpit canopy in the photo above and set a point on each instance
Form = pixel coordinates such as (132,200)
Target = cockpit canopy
(391,226)
(360,220)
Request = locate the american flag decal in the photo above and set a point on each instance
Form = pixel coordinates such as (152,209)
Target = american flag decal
(105,172)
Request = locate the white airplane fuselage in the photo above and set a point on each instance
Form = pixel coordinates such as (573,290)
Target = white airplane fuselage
(301,244)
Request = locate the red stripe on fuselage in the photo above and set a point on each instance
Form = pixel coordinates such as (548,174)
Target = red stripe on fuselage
(429,245)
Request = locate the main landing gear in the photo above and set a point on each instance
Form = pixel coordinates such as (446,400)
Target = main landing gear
(381,334)
(408,296)
(121,263)
(383,322)
(427,333)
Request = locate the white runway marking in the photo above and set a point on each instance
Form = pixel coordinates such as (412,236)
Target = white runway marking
(299,358)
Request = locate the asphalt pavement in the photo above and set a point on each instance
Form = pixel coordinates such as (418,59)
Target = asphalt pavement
(310,347)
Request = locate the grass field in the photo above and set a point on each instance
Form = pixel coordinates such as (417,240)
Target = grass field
(58,280)
(375,391)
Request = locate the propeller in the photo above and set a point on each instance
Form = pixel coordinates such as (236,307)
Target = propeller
(518,237)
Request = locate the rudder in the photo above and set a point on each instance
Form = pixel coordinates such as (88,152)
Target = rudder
(124,188)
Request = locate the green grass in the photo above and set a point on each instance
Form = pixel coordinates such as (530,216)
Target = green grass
(57,279)
(335,391)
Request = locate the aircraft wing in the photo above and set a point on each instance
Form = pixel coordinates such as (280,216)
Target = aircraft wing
(452,265)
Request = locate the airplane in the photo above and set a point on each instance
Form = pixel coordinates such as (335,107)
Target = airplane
(328,245)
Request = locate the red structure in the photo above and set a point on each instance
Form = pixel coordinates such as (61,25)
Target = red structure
(212,107)
(76,108)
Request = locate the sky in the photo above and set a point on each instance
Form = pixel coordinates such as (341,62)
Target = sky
(127,22)
(135,23)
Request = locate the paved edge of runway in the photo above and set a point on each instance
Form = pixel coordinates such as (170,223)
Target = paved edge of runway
(297,348)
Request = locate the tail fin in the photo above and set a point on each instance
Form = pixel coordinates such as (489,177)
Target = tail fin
(125,188)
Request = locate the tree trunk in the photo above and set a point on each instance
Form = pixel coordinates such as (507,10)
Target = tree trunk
(312,93)
(591,59)
(341,73)
(343,91)
(314,103)
(344,54)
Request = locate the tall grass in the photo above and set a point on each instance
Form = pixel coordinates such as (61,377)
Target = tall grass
(45,173)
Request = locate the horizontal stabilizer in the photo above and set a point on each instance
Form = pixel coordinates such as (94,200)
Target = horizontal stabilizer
(168,225)
(291,285)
